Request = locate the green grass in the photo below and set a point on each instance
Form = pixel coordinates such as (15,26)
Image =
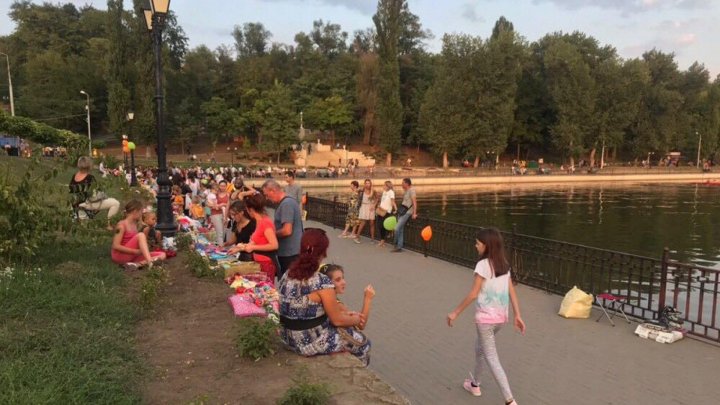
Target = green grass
(67,322)
(67,329)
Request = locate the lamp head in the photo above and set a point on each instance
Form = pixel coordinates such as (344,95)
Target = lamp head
(160,6)
(148,18)
(83,92)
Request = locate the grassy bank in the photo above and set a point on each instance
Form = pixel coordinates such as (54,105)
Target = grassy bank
(67,320)
(67,328)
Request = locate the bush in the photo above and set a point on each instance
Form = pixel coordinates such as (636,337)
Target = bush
(183,241)
(305,392)
(198,264)
(151,284)
(257,338)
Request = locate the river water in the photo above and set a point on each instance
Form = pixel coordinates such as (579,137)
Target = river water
(638,218)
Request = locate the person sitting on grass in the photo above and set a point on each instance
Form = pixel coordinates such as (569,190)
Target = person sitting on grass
(85,192)
(129,247)
(336,274)
(153,236)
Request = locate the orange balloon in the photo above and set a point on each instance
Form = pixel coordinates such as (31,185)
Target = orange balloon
(124,142)
(304,199)
(126,149)
(426,233)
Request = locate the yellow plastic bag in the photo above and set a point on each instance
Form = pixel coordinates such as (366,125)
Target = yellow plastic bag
(576,304)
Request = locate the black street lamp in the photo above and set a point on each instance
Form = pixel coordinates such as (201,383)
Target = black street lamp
(155,20)
(133,176)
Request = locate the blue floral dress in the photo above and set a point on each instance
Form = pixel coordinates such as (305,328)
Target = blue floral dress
(295,303)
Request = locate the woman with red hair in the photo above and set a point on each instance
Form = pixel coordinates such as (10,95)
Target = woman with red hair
(311,321)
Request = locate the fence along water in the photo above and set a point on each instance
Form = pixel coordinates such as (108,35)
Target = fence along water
(646,284)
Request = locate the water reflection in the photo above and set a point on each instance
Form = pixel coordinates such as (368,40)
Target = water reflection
(641,219)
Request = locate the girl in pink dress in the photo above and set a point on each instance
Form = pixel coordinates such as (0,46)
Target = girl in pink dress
(130,247)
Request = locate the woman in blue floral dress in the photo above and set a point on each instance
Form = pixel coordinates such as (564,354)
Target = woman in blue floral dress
(311,321)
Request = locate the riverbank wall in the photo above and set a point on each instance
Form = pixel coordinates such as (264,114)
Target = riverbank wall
(465,182)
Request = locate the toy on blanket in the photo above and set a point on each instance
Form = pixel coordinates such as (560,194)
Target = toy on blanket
(253,298)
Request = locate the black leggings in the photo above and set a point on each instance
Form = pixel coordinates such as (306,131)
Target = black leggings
(379,222)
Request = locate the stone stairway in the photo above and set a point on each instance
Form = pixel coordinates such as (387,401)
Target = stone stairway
(322,155)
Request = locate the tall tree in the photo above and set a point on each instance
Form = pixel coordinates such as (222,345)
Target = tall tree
(573,93)
(278,120)
(389,107)
(252,39)
(447,113)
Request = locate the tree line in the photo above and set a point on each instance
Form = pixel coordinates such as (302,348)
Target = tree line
(565,95)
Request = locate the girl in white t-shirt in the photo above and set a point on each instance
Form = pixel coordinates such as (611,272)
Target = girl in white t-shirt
(386,207)
(492,291)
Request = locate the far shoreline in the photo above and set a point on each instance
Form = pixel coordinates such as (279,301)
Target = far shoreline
(449,183)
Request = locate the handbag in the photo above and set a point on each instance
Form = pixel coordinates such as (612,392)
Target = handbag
(402,210)
(381,212)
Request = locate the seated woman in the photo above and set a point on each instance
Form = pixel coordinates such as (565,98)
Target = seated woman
(263,242)
(86,195)
(243,228)
(311,320)
(130,247)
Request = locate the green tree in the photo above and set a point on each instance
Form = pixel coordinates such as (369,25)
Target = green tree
(329,114)
(278,120)
(389,107)
(572,90)
(252,39)
(447,115)
(221,121)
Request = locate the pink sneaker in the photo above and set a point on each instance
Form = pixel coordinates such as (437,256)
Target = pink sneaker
(475,391)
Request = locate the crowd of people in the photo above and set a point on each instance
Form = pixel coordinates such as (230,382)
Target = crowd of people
(367,206)
(313,320)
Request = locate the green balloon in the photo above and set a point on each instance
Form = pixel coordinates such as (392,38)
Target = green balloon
(131,145)
(390,223)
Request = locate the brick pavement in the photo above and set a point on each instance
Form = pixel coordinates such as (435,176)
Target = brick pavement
(558,361)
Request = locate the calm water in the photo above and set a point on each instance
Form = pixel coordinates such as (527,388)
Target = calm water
(640,219)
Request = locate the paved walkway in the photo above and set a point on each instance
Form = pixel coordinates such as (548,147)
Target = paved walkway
(558,361)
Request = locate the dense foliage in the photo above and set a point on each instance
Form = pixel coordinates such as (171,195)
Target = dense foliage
(565,94)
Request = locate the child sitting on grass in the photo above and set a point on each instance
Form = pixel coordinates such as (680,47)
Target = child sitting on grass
(336,274)
(129,246)
(153,236)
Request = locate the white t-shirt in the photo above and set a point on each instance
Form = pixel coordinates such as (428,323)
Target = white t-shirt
(386,200)
(211,199)
(494,298)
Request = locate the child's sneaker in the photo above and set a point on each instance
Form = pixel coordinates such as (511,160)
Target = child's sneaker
(475,391)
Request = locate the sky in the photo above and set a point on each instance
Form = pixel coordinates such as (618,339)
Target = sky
(687,28)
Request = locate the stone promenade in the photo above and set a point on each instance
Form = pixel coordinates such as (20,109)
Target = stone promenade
(557,362)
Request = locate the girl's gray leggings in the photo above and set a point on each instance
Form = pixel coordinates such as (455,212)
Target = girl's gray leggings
(485,351)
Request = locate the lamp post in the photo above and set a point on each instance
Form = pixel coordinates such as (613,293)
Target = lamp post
(12,101)
(133,177)
(155,20)
(648,159)
(87,108)
(699,145)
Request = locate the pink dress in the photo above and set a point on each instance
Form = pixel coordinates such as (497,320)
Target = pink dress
(130,240)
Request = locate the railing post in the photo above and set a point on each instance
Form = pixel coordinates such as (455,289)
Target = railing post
(334,211)
(663,278)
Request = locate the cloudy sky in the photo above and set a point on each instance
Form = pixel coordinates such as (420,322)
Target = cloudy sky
(689,28)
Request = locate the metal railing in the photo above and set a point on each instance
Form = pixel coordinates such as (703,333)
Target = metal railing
(645,284)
